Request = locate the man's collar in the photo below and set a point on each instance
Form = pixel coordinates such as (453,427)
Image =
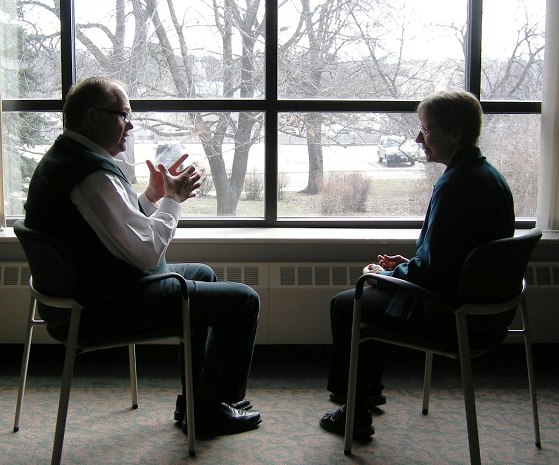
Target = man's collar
(88,143)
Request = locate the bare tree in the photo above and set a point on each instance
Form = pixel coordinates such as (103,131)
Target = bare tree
(239,75)
(308,58)
(157,64)
(339,49)
(249,125)
(353,49)
(519,75)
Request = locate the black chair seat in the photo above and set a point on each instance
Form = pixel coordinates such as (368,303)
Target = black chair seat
(479,343)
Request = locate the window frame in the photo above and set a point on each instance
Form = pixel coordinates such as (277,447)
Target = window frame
(272,106)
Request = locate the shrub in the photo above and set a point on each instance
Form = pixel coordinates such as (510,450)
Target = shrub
(283,181)
(254,185)
(344,193)
(207,185)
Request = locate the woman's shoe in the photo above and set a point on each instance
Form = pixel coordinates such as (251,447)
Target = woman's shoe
(335,423)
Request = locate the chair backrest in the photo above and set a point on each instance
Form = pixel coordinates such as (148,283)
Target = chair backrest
(494,272)
(51,265)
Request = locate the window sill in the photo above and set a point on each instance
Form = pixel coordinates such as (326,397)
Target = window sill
(287,244)
(295,235)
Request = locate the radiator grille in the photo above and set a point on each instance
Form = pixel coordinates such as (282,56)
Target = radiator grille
(287,275)
(281,275)
(540,275)
(14,274)
(314,275)
(543,274)
(304,275)
(254,275)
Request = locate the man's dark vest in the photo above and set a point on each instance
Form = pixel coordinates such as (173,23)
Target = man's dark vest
(49,209)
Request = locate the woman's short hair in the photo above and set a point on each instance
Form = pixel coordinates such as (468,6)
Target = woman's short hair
(454,110)
(92,92)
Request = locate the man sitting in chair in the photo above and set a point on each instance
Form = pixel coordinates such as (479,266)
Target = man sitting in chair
(471,204)
(79,194)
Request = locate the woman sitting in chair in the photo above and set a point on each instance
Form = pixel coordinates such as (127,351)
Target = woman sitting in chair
(471,204)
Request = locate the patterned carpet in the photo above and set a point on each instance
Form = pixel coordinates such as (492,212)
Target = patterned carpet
(103,430)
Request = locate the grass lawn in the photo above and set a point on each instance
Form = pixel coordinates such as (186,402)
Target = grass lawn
(387,198)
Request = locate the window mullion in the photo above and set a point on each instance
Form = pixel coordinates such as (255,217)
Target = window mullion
(473,47)
(67,45)
(271,114)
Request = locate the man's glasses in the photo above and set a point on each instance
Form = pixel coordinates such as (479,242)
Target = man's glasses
(127,117)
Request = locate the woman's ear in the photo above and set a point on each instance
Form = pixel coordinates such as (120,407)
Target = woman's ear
(456,135)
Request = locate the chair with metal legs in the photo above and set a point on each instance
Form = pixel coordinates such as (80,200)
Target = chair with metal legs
(53,272)
(483,291)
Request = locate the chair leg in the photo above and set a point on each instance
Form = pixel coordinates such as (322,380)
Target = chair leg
(133,375)
(468,387)
(188,377)
(352,384)
(67,375)
(24,363)
(530,367)
(427,382)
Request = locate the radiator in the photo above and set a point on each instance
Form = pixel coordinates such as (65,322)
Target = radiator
(295,299)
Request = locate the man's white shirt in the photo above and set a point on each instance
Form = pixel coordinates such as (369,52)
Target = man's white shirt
(111,207)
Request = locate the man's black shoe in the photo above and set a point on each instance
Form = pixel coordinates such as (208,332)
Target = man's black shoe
(242,405)
(372,400)
(180,408)
(221,418)
(335,423)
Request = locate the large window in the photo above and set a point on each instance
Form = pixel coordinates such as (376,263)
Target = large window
(300,112)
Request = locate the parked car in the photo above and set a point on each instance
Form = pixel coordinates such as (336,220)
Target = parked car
(389,151)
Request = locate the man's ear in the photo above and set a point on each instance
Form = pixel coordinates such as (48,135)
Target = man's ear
(88,124)
(90,116)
